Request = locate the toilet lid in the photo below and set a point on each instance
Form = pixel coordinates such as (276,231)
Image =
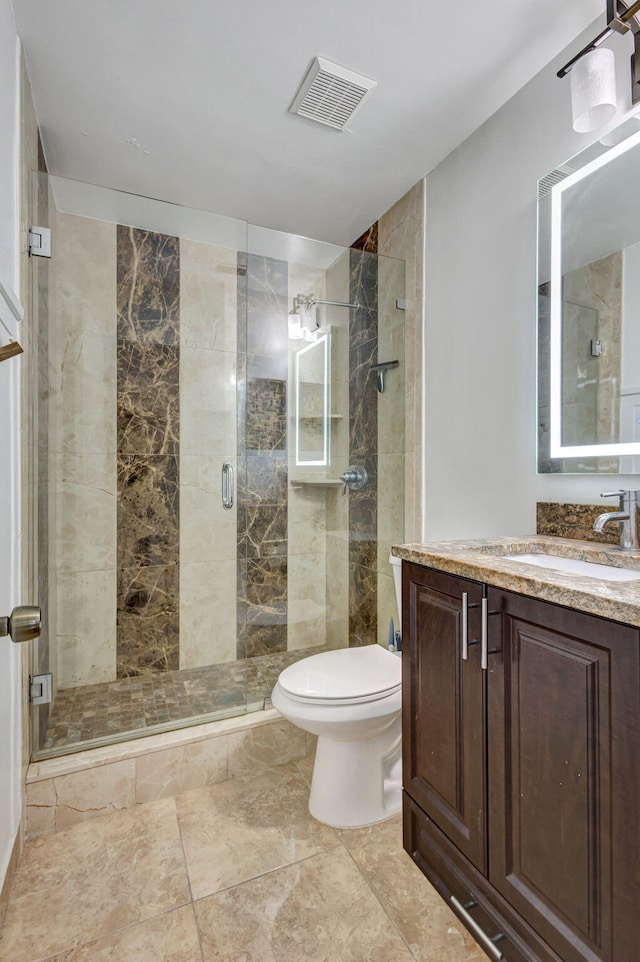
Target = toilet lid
(348,673)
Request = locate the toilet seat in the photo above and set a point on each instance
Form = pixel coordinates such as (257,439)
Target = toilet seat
(347,676)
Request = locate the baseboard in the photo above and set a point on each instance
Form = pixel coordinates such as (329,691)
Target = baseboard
(14,858)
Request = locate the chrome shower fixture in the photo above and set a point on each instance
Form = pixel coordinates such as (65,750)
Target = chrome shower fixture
(304,300)
(381,369)
(303,322)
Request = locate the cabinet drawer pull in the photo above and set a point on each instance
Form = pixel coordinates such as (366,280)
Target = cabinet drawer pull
(465,626)
(488,943)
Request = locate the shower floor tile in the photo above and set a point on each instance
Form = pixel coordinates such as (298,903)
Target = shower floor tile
(145,702)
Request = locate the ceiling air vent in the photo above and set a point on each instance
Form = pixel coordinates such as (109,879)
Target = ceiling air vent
(555,177)
(330,94)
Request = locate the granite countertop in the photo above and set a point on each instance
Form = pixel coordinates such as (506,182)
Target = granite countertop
(481,560)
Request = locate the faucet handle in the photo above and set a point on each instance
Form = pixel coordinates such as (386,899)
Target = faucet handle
(613,494)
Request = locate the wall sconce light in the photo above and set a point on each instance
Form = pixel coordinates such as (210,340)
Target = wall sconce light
(302,322)
(593,80)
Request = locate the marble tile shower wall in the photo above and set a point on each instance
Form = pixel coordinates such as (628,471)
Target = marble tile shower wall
(363,448)
(308,602)
(170,356)
(141,413)
(80,498)
(148,418)
(208,371)
(263,358)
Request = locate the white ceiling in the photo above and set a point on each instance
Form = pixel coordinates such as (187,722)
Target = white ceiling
(203,87)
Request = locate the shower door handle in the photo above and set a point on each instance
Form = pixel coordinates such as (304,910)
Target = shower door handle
(227,485)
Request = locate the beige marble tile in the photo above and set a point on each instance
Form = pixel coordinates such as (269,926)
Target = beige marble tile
(85,513)
(208,296)
(94,757)
(208,413)
(84,275)
(86,611)
(306,600)
(305,767)
(248,826)
(257,749)
(172,937)
(208,629)
(319,910)
(338,592)
(432,931)
(94,878)
(166,773)
(306,279)
(41,807)
(306,519)
(391,347)
(391,498)
(98,791)
(208,532)
(82,399)
(205,763)
(401,235)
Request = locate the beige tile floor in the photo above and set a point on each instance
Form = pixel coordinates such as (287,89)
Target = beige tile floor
(236,872)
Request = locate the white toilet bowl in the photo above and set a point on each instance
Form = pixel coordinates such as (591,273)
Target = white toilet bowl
(351,699)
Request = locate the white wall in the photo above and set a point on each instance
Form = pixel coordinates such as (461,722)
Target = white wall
(480,319)
(630,317)
(10,655)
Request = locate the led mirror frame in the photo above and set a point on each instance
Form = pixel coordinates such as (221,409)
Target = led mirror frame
(557,449)
(322,339)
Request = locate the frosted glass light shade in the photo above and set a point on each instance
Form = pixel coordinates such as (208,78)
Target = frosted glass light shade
(593,90)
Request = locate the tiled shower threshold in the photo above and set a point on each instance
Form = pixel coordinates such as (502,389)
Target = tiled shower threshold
(93,715)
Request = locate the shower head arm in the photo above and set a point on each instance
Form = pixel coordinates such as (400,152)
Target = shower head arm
(302,300)
(313,301)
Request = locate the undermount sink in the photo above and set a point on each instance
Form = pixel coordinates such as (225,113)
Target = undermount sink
(576,567)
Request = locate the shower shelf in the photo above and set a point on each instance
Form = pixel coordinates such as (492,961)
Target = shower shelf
(318,482)
(320,417)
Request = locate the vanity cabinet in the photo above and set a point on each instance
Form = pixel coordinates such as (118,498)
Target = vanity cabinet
(522,779)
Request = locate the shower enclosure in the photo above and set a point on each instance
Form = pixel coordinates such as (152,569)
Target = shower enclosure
(192,534)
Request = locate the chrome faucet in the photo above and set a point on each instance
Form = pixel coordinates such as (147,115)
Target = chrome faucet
(627,517)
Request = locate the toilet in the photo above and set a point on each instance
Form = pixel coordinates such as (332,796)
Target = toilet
(351,699)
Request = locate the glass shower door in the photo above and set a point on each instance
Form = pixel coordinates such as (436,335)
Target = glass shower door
(140,311)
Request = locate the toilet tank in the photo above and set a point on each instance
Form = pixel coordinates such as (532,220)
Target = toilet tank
(396,564)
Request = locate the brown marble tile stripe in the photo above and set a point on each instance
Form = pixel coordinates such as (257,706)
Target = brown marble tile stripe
(368,241)
(148,402)
(262,455)
(363,448)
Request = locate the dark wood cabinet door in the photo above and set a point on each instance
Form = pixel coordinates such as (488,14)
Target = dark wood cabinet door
(443,707)
(564,776)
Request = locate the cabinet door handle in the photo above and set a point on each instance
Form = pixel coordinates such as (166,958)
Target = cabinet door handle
(487,941)
(465,626)
(484,650)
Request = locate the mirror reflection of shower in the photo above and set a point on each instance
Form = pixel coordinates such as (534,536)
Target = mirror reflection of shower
(303,320)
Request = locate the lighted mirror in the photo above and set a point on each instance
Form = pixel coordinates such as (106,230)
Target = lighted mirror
(589,313)
(312,386)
